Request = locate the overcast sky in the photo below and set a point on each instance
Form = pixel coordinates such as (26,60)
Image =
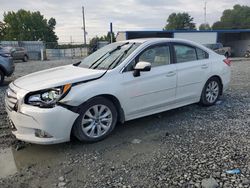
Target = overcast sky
(125,15)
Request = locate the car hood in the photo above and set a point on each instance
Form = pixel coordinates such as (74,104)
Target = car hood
(56,77)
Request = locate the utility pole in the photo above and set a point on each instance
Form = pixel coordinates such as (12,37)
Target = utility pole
(205,12)
(83,27)
(111,32)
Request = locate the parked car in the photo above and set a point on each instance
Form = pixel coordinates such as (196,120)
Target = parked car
(120,82)
(247,53)
(6,65)
(18,53)
(218,48)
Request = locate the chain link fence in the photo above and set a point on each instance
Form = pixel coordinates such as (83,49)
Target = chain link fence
(65,50)
(39,50)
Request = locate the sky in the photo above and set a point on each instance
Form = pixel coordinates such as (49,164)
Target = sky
(125,15)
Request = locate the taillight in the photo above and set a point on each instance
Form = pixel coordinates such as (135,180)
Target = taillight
(227,61)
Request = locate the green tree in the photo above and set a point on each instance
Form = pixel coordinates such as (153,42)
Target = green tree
(180,21)
(108,37)
(28,26)
(236,18)
(204,26)
(2,30)
(93,43)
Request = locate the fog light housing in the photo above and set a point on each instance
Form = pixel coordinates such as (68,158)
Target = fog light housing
(42,134)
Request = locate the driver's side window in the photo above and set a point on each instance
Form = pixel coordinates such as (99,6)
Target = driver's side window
(157,55)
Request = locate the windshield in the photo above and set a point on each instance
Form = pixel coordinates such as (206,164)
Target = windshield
(104,57)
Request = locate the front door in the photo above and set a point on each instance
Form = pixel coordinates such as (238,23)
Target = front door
(152,90)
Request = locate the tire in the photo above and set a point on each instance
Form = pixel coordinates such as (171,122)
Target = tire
(227,55)
(1,77)
(96,121)
(247,55)
(211,92)
(25,58)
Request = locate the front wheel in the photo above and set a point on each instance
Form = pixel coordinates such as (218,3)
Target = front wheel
(97,119)
(211,92)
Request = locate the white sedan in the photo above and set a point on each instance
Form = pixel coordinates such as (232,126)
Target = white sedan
(119,82)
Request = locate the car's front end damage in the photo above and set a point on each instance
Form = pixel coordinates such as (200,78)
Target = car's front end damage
(35,124)
(34,106)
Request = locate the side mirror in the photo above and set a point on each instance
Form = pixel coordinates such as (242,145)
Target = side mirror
(141,66)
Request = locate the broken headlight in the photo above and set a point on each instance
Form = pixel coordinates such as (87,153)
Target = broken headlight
(49,97)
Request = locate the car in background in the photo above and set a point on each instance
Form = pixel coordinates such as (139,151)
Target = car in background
(18,53)
(220,49)
(7,66)
(117,83)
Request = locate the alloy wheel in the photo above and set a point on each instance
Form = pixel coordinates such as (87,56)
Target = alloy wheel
(212,91)
(97,120)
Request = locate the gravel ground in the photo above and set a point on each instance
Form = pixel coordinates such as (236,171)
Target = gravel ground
(191,146)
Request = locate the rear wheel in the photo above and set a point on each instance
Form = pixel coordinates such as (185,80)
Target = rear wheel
(25,58)
(97,119)
(1,77)
(211,92)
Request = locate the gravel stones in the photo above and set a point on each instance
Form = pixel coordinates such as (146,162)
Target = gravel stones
(187,147)
(209,183)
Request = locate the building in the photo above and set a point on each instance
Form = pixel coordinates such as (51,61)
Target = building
(237,39)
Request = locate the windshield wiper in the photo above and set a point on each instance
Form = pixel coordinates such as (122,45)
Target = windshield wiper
(119,58)
(108,53)
(77,64)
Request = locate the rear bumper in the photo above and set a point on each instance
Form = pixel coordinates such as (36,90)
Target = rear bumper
(57,122)
(226,78)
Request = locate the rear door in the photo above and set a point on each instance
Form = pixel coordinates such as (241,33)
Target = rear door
(193,68)
(152,90)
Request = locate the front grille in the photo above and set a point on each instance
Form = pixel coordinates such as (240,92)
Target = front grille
(11,99)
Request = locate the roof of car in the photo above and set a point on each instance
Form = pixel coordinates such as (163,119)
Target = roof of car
(152,40)
(143,40)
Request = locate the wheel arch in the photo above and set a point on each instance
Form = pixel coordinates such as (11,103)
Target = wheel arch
(113,99)
(116,102)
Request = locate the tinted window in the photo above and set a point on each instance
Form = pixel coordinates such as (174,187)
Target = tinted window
(157,55)
(201,54)
(184,53)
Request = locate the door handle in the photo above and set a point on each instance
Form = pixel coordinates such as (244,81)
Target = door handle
(204,66)
(171,73)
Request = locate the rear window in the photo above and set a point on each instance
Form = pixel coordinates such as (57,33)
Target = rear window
(184,53)
(201,54)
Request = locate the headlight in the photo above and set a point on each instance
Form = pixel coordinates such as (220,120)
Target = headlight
(49,97)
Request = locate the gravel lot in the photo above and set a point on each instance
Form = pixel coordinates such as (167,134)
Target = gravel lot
(191,146)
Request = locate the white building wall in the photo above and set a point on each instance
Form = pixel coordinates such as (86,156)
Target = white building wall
(121,36)
(202,37)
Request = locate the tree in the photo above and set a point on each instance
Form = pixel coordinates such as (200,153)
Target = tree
(204,26)
(28,26)
(93,43)
(2,30)
(180,21)
(236,18)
